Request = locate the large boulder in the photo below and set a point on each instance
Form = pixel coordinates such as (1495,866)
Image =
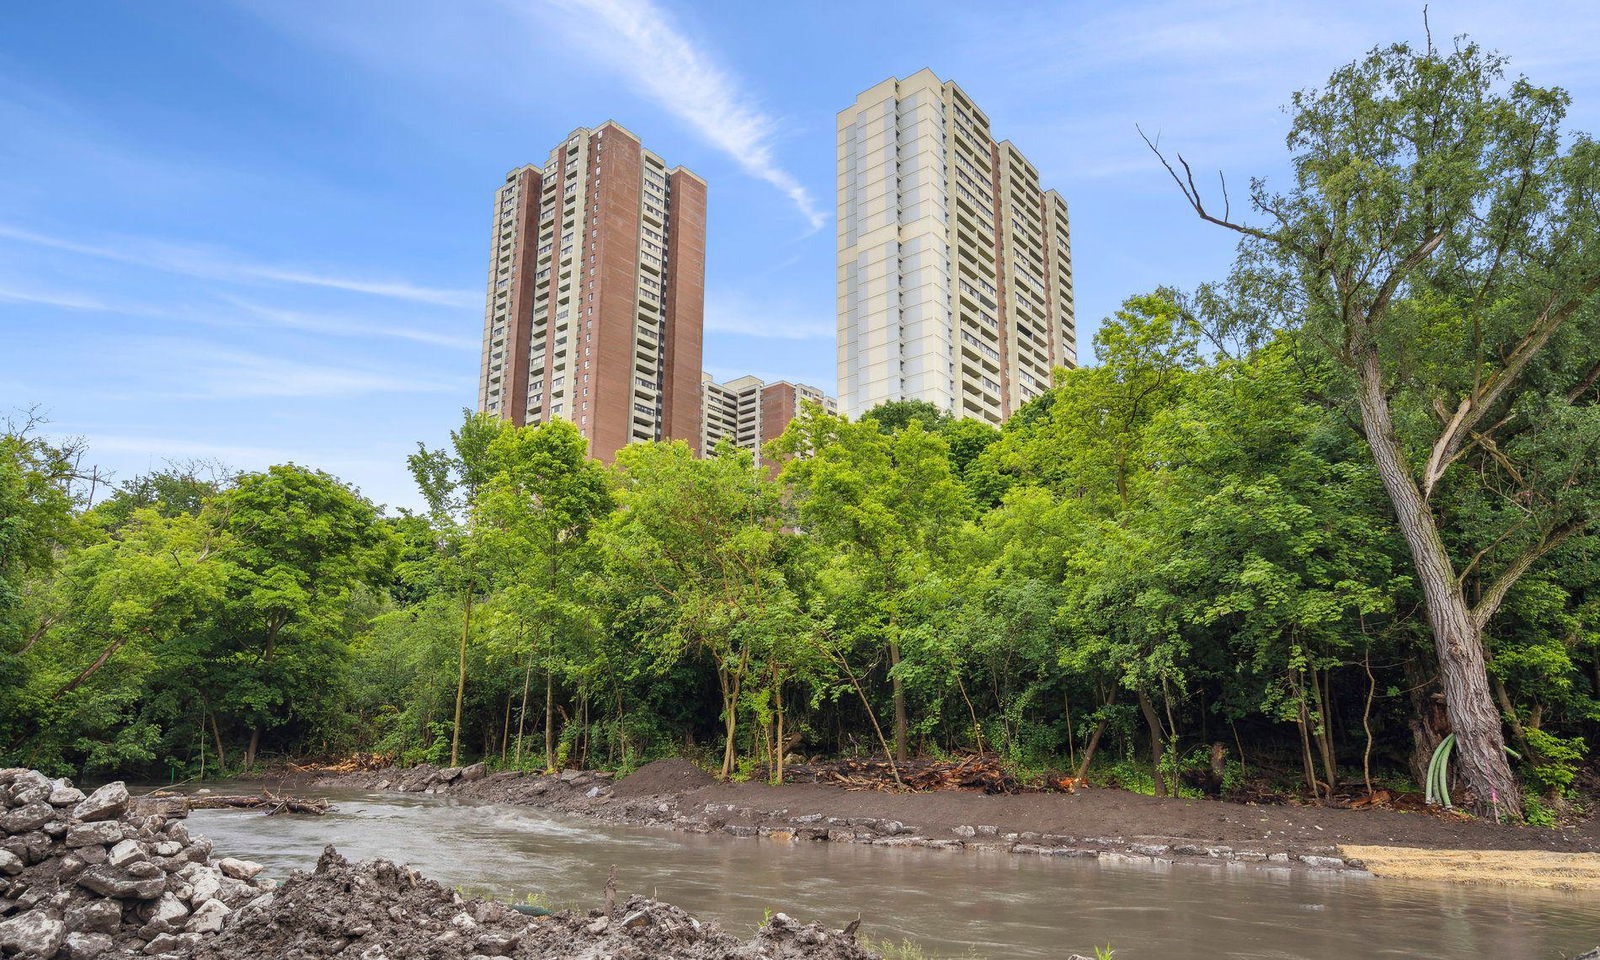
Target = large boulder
(126,852)
(107,803)
(27,818)
(239,869)
(100,833)
(33,934)
(124,884)
(86,946)
(94,916)
(64,794)
(208,917)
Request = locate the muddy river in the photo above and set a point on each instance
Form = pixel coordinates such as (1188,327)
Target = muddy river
(986,905)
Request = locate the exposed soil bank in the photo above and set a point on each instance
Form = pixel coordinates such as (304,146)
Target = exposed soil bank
(1100,823)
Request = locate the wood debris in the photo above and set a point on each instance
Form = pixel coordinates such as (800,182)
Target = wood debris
(179,804)
(977,773)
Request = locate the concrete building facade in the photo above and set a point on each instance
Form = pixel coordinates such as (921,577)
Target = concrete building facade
(751,412)
(954,264)
(596,293)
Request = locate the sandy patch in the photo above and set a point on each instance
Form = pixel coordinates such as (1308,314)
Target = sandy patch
(1522,868)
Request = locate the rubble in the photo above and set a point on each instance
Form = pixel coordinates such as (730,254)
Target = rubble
(84,877)
(378,910)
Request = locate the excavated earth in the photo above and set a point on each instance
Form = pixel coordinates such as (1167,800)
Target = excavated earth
(105,877)
(1110,825)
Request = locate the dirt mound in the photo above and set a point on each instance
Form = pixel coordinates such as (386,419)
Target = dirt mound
(377,910)
(673,775)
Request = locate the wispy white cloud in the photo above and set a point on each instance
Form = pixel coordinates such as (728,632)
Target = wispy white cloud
(221,265)
(208,371)
(48,298)
(241,313)
(737,312)
(348,326)
(639,39)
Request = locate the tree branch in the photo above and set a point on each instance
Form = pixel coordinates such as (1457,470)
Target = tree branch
(1476,404)
(1191,193)
(1496,594)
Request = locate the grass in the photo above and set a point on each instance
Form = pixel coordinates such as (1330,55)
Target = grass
(906,950)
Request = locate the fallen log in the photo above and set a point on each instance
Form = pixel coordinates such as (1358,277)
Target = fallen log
(268,802)
(179,804)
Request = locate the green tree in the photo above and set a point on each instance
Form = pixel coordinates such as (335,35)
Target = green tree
(699,545)
(1092,444)
(450,480)
(304,544)
(534,514)
(1441,243)
(38,519)
(892,416)
(128,598)
(887,510)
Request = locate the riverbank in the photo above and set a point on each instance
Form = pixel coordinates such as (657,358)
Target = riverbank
(102,877)
(1104,824)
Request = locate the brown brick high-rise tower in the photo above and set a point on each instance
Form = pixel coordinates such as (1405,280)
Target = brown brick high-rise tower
(597,294)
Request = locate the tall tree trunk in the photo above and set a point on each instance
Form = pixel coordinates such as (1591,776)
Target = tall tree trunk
(1324,732)
(222,753)
(783,747)
(266,661)
(549,721)
(1457,636)
(461,679)
(901,721)
(1307,765)
(730,718)
(522,713)
(1153,723)
(505,731)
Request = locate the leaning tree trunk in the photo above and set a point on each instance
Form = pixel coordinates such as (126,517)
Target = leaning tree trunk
(1153,724)
(1457,638)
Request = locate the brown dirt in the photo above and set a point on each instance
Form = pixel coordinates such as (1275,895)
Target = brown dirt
(1104,812)
(663,777)
(1093,822)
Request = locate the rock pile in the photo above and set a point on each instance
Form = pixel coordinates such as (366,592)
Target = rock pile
(85,877)
(377,910)
(98,877)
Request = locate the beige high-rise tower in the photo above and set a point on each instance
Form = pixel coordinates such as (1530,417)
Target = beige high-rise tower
(597,293)
(955,267)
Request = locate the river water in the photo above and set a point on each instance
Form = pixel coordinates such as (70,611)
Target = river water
(953,904)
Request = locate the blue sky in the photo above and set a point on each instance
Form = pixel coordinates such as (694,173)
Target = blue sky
(256,230)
